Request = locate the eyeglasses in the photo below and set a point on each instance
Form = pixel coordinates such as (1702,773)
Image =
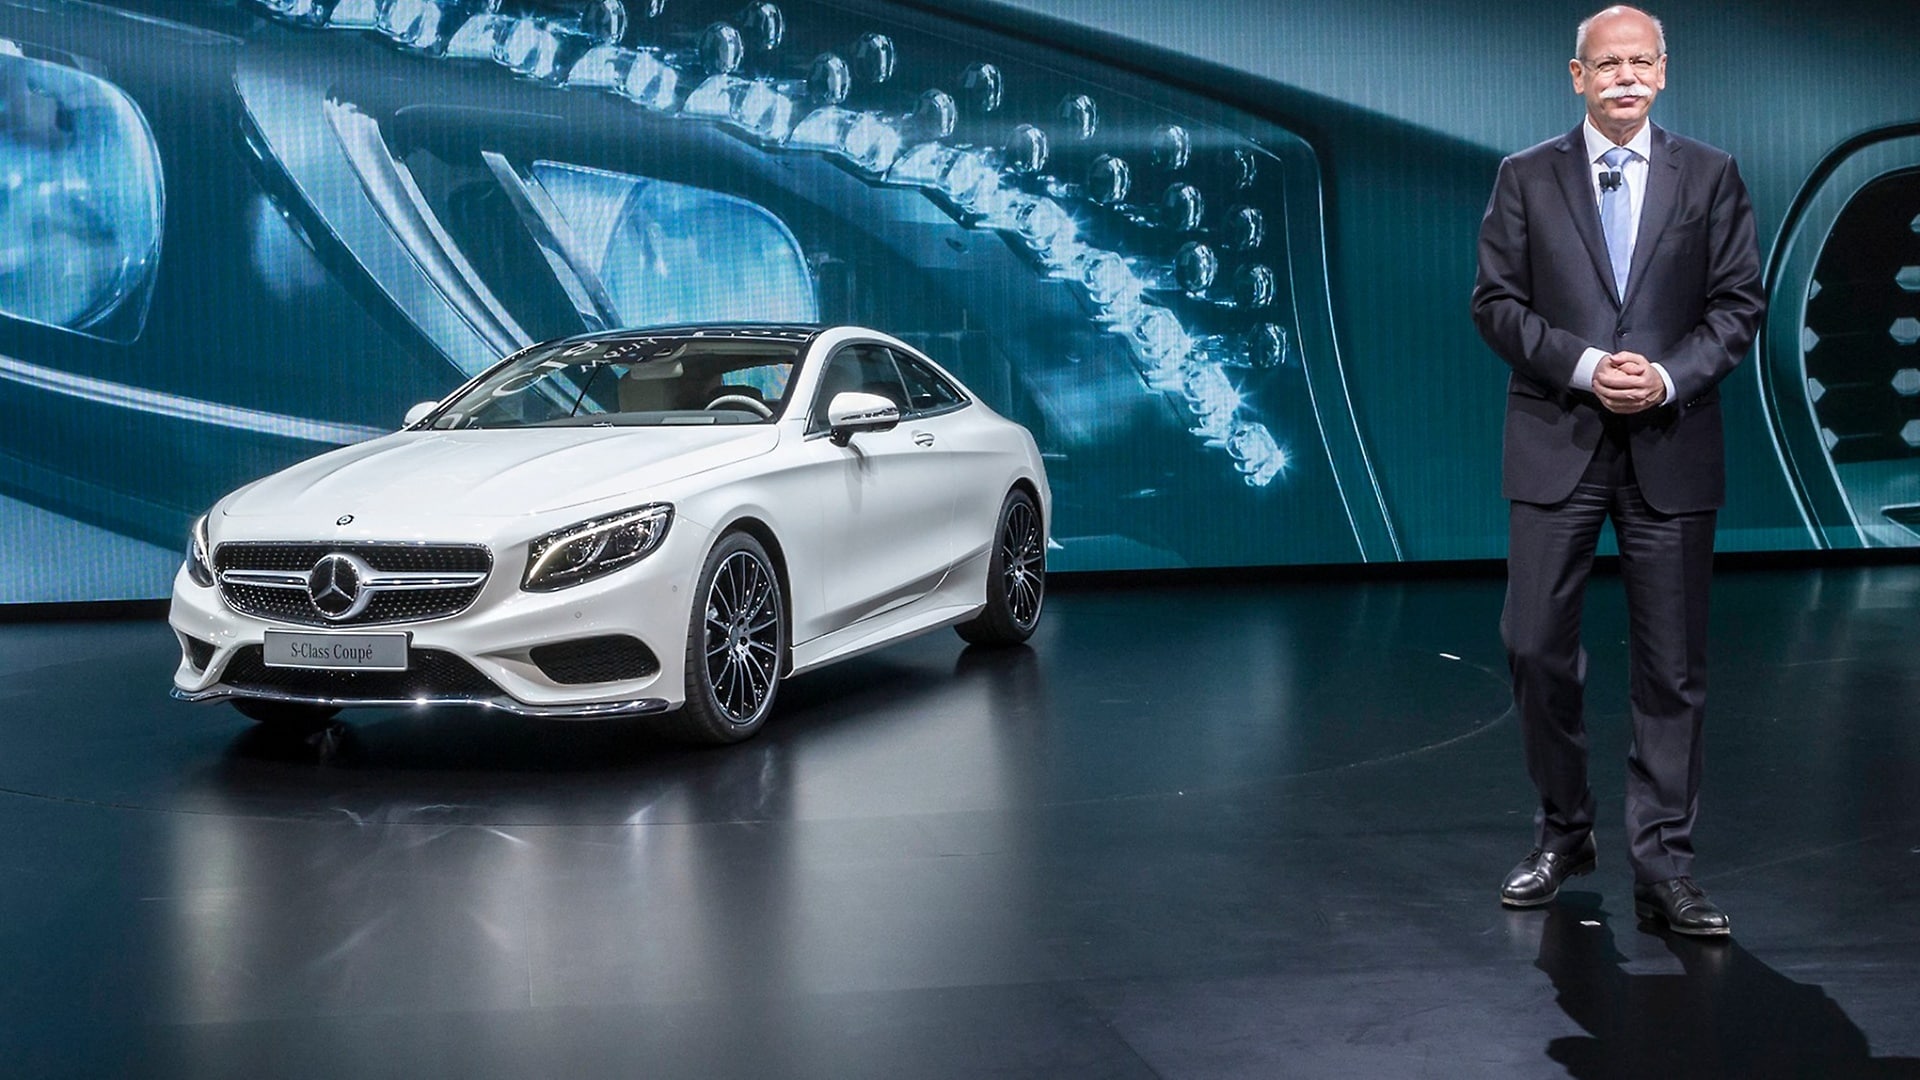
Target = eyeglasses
(1610,66)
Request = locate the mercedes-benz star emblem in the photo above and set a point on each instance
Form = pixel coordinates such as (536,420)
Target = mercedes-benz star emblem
(334,586)
(344,519)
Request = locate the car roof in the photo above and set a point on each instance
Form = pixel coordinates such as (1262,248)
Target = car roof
(798,333)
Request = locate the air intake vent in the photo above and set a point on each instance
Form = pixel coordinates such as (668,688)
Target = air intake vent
(199,653)
(430,674)
(596,659)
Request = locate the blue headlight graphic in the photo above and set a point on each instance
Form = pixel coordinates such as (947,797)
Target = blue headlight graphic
(673,253)
(81,201)
(1144,286)
(386,196)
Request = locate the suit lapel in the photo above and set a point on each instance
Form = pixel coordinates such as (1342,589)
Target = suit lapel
(1663,186)
(1576,183)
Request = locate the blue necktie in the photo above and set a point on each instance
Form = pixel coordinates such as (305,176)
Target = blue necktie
(1616,217)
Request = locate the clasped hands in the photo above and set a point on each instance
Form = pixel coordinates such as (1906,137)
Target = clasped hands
(1625,382)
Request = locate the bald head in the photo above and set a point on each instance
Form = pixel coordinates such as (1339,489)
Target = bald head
(1617,11)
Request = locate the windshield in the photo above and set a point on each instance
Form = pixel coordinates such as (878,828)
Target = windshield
(630,382)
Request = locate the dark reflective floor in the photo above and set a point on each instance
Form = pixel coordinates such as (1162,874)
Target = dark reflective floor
(1190,832)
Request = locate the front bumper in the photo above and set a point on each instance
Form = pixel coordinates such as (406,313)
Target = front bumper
(501,703)
(481,657)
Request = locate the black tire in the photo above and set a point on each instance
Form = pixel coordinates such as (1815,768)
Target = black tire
(290,716)
(736,644)
(1016,577)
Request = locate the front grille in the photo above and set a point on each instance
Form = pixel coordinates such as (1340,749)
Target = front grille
(596,659)
(430,674)
(252,555)
(291,604)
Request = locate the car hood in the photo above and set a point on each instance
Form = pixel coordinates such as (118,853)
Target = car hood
(498,473)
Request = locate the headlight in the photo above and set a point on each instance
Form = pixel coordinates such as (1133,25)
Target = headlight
(576,553)
(200,554)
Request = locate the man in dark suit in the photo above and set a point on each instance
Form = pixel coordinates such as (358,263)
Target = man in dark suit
(1620,279)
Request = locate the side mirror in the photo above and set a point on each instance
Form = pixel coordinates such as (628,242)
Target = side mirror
(850,413)
(418,413)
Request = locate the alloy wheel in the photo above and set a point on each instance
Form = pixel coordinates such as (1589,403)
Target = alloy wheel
(1023,559)
(742,636)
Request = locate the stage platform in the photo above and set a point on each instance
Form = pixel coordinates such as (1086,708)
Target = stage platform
(1194,830)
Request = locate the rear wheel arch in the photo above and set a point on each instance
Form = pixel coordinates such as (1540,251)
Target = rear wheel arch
(1026,484)
(1016,573)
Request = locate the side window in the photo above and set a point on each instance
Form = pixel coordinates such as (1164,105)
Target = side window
(927,392)
(865,369)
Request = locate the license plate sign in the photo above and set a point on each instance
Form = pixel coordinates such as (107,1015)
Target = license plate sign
(336,652)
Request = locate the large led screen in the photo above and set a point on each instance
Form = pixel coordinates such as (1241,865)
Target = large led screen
(1231,308)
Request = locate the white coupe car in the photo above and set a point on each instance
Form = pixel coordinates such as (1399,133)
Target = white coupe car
(633,522)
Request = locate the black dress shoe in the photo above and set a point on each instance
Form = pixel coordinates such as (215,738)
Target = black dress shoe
(1538,878)
(1682,906)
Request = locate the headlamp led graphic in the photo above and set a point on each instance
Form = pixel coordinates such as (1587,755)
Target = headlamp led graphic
(1173,233)
(386,190)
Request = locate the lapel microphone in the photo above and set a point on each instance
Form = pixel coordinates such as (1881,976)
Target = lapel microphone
(1610,180)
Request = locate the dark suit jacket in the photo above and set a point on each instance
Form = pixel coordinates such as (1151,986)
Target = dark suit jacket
(1545,294)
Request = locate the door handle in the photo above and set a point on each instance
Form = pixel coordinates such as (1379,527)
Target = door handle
(923,438)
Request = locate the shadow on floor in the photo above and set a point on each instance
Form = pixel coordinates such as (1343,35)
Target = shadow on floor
(1726,1014)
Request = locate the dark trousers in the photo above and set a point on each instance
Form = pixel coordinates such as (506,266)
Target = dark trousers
(1665,562)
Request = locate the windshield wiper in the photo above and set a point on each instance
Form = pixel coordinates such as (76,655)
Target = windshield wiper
(593,372)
